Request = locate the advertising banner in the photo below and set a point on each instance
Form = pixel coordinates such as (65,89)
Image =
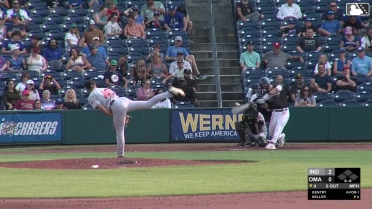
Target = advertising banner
(203,125)
(31,127)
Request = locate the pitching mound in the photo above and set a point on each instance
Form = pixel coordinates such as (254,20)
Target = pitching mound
(111,163)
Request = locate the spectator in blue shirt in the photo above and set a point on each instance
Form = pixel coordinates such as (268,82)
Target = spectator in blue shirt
(97,59)
(75,4)
(14,41)
(174,20)
(101,49)
(330,26)
(361,64)
(171,55)
(53,54)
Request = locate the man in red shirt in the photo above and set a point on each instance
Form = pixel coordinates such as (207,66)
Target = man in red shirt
(25,103)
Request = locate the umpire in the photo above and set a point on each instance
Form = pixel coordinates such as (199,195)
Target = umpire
(278,103)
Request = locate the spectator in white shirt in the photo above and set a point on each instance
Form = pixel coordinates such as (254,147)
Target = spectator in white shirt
(289,10)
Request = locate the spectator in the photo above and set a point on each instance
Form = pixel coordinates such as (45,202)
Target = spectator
(96,43)
(337,13)
(112,9)
(97,59)
(151,7)
(144,92)
(361,64)
(187,74)
(133,30)
(34,94)
(295,88)
(155,22)
(321,82)
(182,9)
(112,28)
(17,10)
(172,51)
(113,77)
(53,55)
(3,64)
(140,76)
(77,62)
(3,28)
(289,28)
(100,18)
(70,101)
(59,105)
(52,4)
(4,5)
(25,103)
(307,24)
(75,4)
(46,102)
(323,59)
(176,74)
(35,42)
(330,26)
(165,103)
(140,65)
(37,104)
(349,41)
(88,35)
(250,58)
(14,42)
(366,41)
(49,83)
(21,86)
(15,62)
(95,4)
(72,37)
(10,95)
(340,63)
(36,62)
(15,24)
(346,82)
(174,20)
(305,98)
(139,19)
(157,69)
(189,93)
(245,12)
(289,10)
(355,23)
(277,58)
(155,49)
(308,43)
(173,66)
(123,66)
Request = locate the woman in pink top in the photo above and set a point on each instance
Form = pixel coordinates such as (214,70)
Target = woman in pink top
(144,92)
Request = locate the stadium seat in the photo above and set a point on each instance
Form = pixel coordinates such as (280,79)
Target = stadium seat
(69,74)
(183,105)
(115,42)
(322,96)
(55,18)
(76,82)
(117,49)
(36,18)
(40,11)
(363,96)
(350,103)
(367,103)
(327,103)
(48,26)
(55,34)
(4,76)
(331,46)
(343,95)
(78,11)
(154,32)
(74,18)
(88,74)
(59,11)
(100,82)
(173,33)
(248,24)
(367,86)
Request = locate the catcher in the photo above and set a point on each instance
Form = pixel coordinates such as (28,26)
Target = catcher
(252,128)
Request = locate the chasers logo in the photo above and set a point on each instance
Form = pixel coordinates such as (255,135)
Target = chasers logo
(28,128)
(357,9)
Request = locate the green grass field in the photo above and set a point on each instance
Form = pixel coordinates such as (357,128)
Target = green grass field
(280,170)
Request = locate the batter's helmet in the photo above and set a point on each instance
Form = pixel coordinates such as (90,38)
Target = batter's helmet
(264,80)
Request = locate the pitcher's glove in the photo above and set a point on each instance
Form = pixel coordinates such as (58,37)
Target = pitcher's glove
(127,119)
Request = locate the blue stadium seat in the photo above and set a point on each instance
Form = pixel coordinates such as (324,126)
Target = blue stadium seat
(363,96)
(59,11)
(248,24)
(36,18)
(4,76)
(36,5)
(343,95)
(327,103)
(351,103)
(88,74)
(173,33)
(183,105)
(74,18)
(135,42)
(40,11)
(331,47)
(55,34)
(367,86)
(138,50)
(367,103)
(322,96)
(76,82)
(115,42)
(78,11)
(100,82)
(360,79)
(55,18)
(155,32)
(117,49)
(69,74)
(49,26)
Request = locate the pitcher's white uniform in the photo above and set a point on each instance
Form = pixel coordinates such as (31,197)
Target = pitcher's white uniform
(119,106)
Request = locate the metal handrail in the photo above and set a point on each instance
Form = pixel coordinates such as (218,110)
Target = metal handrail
(214,55)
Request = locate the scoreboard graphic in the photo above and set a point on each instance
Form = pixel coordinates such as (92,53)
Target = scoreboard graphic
(333,184)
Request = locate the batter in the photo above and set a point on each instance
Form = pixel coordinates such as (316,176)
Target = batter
(117,107)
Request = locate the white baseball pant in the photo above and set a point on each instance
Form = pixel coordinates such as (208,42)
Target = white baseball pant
(277,123)
(119,109)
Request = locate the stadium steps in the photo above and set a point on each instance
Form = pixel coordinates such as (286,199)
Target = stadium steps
(227,53)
